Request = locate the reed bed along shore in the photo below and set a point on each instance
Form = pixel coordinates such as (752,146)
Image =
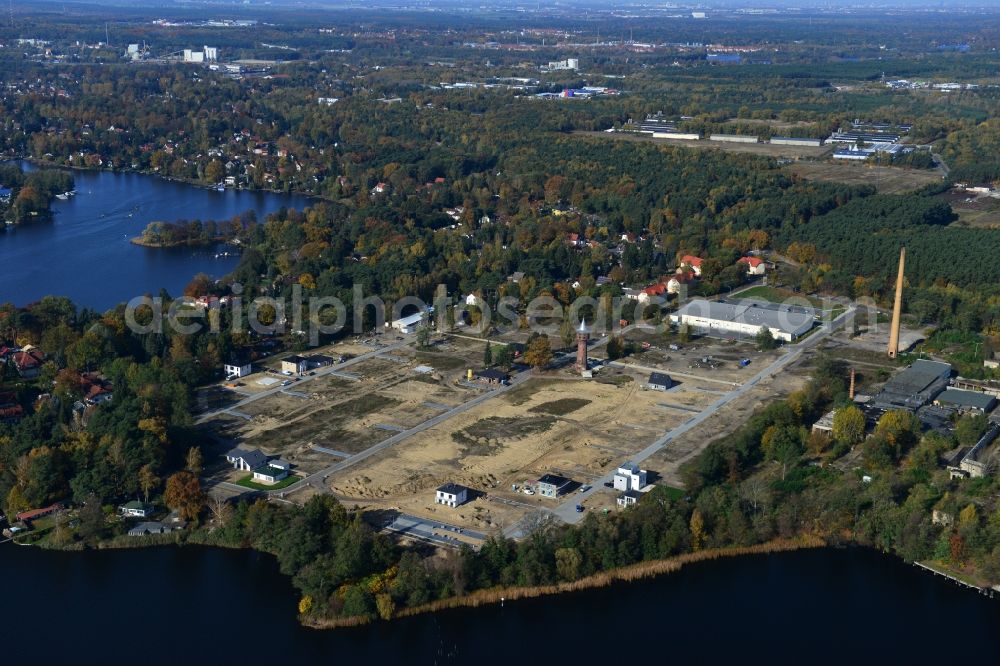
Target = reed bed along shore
(632,572)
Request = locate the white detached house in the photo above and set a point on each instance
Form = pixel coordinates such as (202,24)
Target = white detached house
(451,494)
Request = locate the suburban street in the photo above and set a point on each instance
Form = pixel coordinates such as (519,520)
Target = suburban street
(322,372)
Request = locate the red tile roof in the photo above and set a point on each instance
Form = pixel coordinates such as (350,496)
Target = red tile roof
(691,260)
(754,262)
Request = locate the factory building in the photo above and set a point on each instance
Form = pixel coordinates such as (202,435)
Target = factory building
(745,318)
(677,135)
(915,386)
(734,138)
(795,141)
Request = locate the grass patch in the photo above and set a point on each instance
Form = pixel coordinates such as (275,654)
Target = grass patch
(485,437)
(560,407)
(775,295)
(614,380)
(673,493)
(248,482)
(442,361)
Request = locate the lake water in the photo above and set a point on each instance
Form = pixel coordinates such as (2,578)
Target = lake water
(195,605)
(84,252)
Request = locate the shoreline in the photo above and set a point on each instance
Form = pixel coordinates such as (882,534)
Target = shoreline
(44,164)
(633,572)
(138,241)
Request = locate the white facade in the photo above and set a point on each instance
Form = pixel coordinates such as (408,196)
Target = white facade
(270,474)
(193,56)
(734,138)
(211,53)
(745,318)
(630,477)
(795,141)
(676,135)
(411,323)
(451,495)
(234,370)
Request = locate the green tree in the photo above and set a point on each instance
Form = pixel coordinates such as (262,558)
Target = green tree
(616,347)
(970,428)
(568,561)
(488,355)
(765,339)
(424,336)
(504,357)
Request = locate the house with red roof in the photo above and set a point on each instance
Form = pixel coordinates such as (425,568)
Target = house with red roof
(755,265)
(678,279)
(10,411)
(28,363)
(692,262)
(653,291)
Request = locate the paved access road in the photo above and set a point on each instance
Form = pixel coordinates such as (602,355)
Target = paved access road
(567,510)
(317,478)
(322,372)
(431,530)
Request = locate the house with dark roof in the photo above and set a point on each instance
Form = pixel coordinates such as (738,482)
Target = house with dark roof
(491,376)
(629,498)
(135,509)
(237,367)
(659,381)
(451,494)
(294,365)
(552,485)
(272,471)
(246,460)
(152,527)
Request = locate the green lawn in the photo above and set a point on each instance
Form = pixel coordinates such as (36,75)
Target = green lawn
(774,295)
(248,482)
(673,493)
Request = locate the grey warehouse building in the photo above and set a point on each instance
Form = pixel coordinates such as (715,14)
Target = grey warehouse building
(745,318)
(914,387)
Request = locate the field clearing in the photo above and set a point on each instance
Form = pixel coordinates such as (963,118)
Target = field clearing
(661,358)
(974,211)
(764,149)
(891,180)
(577,428)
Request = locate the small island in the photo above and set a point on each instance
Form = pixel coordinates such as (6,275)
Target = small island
(183,233)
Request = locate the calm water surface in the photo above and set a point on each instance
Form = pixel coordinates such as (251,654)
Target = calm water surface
(85,253)
(194,605)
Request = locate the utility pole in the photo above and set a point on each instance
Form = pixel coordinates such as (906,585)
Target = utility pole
(107,38)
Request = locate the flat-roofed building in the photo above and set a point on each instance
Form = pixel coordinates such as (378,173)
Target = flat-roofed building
(915,386)
(795,141)
(745,318)
(966,401)
(734,138)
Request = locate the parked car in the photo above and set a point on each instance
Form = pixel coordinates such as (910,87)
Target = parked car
(579,508)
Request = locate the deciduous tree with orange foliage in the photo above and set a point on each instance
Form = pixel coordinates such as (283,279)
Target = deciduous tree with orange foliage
(184,495)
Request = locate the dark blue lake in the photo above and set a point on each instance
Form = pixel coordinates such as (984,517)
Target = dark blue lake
(195,606)
(84,252)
